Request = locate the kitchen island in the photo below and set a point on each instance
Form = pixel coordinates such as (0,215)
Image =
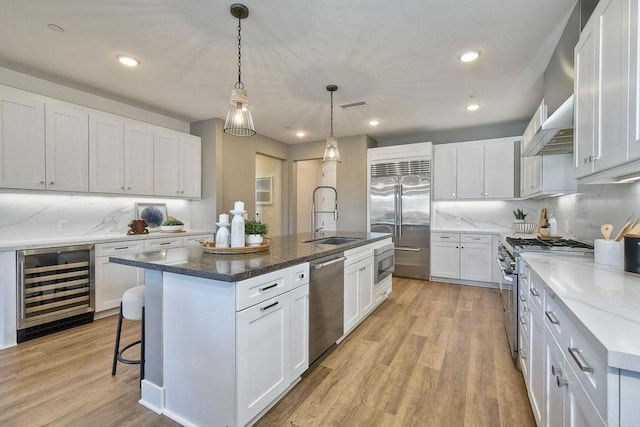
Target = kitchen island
(227,335)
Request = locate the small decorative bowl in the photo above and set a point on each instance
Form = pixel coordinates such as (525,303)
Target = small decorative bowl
(171,228)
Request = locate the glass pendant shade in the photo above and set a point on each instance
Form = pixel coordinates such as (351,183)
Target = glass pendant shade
(331,153)
(239,121)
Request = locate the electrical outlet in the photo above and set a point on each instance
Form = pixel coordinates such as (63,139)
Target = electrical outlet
(62,225)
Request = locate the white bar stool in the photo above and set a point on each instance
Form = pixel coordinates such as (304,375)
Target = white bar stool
(131,308)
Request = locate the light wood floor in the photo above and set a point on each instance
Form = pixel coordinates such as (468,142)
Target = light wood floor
(432,355)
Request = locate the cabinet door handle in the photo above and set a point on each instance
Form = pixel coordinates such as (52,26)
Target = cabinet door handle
(122,188)
(51,183)
(535,292)
(268,306)
(522,298)
(577,357)
(41,182)
(267,287)
(552,317)
(522,320)
(555,370)
(523,353)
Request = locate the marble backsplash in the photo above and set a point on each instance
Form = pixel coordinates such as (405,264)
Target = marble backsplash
(594,205)
(481,215)
(33,216)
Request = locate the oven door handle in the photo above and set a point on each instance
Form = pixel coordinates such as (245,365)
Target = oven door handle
(505,275)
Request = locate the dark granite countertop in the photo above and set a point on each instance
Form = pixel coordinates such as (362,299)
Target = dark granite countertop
(284,251)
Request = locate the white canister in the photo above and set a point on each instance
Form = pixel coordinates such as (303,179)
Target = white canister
(608,252)
(237,232)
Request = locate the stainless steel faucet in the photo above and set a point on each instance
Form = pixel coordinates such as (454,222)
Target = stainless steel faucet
(314,212)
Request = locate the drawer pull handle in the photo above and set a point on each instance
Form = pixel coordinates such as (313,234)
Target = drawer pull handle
(165,243)
(445,237)
(552,317)
(561,381)
(268,287)
(121,248)
(522,320)
(301,276)
(577,356)
(523,354)
(555,370)
(268,306)
(535,292)
(522,298)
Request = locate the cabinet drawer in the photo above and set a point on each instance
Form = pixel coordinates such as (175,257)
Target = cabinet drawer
(261,288)
(193,240)
(445,237)
(589,365)
(382,293)
(107,249)
(523,356)
(165,243)
(555,319)
(358,254)
(536,292)
(523,317)
(476,238)
(299,275)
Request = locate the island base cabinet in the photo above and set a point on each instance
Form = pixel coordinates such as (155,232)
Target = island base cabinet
(263,334)
(299,300)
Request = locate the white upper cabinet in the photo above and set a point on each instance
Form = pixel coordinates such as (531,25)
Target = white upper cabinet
(67,148)
(444,171)
(21,143)
(634,83)
(177,164)
(475,170)
(138,157)
(470,167)
(546,175)
(499,169)
(106,153)
(603,90)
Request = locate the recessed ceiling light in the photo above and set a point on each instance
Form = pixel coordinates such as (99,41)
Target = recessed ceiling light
(374,122)
(470,56)
(56,28)
(473,107)
(127,60)
(300,134)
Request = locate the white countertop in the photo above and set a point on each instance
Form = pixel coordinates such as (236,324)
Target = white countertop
(37,243)
(605,299)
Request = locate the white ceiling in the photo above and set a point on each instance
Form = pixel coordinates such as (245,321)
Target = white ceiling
(398,56)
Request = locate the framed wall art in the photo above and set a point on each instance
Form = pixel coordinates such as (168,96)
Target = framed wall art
(154,214)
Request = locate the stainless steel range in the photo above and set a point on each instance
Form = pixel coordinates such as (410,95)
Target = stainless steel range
(510,262)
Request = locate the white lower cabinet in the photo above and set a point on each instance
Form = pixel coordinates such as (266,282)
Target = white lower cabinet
(536,363)
(358,286)
(299,354)
(462,256)
(112,280)
(263,355)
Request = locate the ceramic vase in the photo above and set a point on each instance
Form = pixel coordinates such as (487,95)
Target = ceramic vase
(237,231)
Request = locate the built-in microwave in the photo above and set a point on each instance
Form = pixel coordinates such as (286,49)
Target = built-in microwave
(384,260)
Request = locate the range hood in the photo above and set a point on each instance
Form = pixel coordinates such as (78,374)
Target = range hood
(555,136)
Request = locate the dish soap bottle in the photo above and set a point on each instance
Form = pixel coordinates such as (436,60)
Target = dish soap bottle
(553,226)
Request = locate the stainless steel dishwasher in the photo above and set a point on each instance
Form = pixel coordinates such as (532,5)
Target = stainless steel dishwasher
(326,303)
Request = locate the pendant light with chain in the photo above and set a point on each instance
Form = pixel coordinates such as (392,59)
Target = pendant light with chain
(239,121)
(331,153)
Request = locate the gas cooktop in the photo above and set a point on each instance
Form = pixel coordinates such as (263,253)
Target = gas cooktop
(560,245)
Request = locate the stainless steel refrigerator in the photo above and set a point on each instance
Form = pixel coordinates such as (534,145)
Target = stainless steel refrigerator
(400,194)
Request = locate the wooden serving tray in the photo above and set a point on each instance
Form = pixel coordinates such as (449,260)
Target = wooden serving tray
(210,247)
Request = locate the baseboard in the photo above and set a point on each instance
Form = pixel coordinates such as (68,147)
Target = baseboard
(272,404)
(178,419)
(465,282)
(106,313)
(152,397)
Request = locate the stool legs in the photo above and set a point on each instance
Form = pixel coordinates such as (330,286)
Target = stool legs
(118,354)
(116,349)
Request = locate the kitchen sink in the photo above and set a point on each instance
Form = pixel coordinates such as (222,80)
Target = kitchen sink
(334,240)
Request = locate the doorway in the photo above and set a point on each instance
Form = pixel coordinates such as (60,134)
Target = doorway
(268,193)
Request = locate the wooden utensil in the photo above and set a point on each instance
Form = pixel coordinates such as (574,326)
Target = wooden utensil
(634,230)
(543,219)
(606,230)
(623,231)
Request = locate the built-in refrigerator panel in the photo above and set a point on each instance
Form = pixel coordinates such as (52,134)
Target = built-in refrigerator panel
(400,196)
(383,212)
(413,242)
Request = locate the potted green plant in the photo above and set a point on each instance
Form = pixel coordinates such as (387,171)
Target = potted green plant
(519,215)
(255,230)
